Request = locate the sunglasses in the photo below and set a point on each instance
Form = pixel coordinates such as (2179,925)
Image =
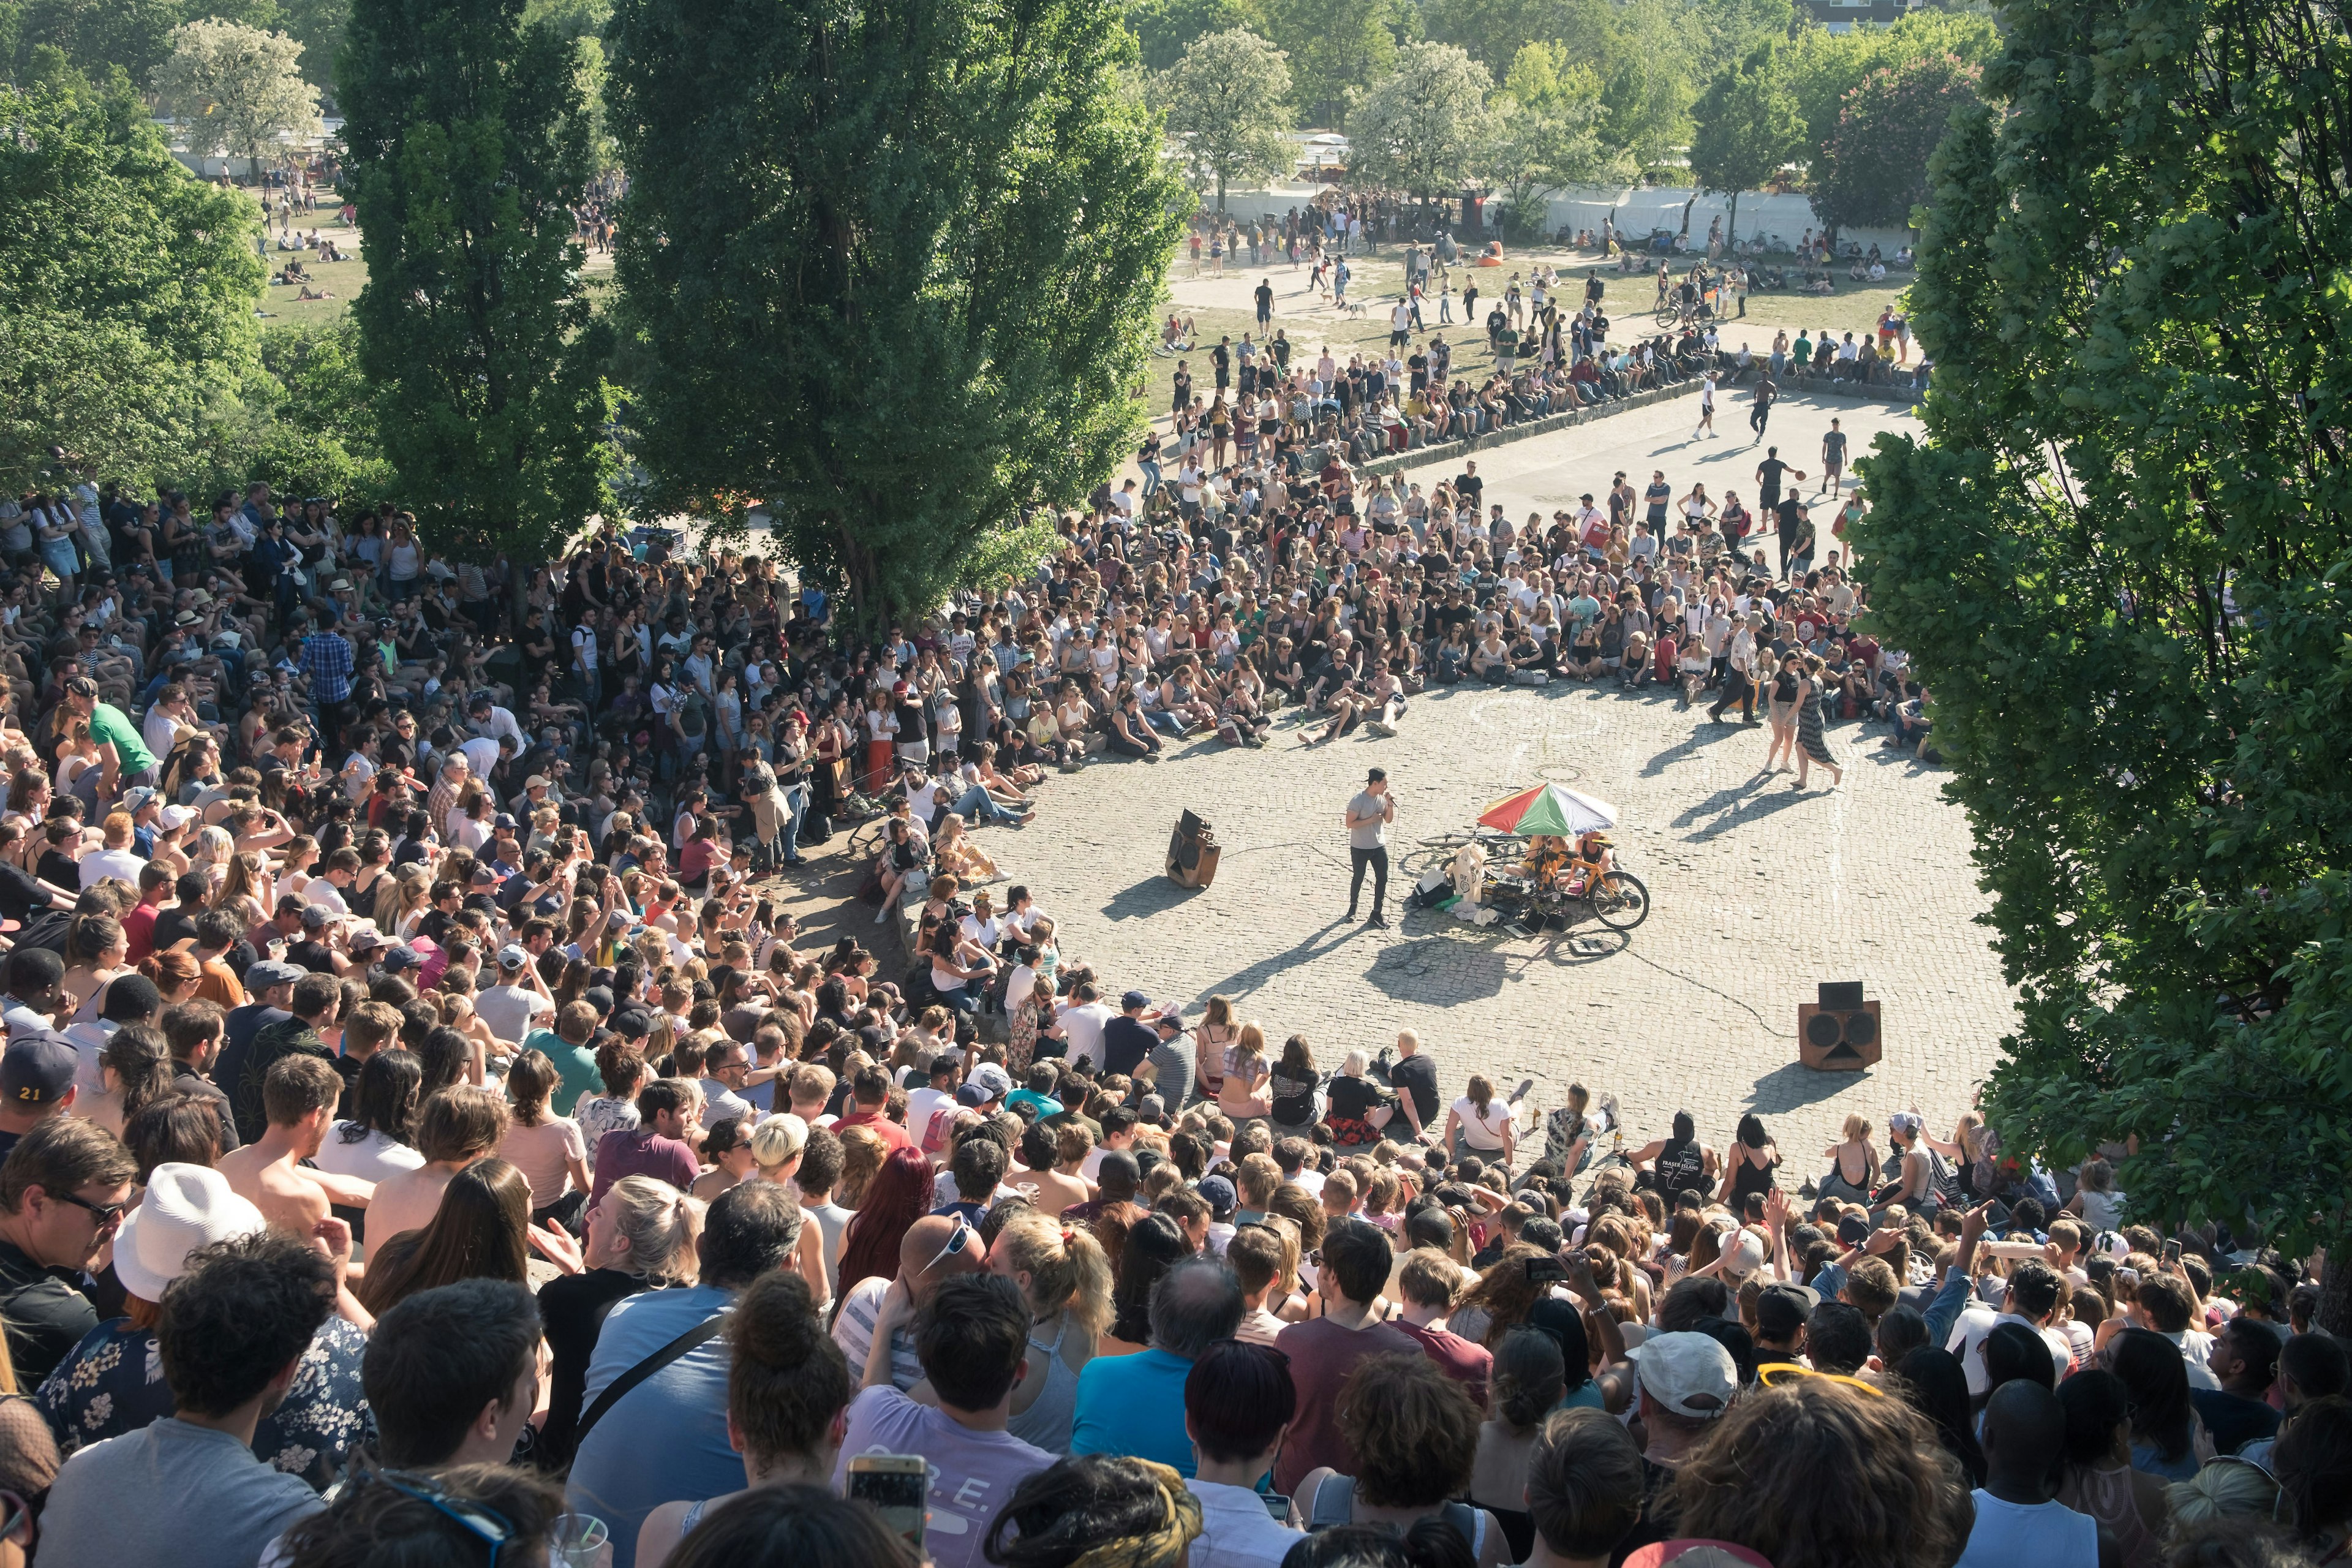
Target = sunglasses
(492,1529)
(957,1240)
(107,1214)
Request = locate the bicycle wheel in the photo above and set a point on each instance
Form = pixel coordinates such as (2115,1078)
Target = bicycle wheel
(865,840)
(1667,313)
(1621,901)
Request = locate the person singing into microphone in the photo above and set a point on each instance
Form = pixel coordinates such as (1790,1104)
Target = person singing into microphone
(1368,815)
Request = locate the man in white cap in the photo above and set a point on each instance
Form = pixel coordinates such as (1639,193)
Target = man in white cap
(1685,1382)
(512,1007)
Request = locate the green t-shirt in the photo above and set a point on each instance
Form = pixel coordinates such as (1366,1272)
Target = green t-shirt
(576,1063)
(107,722)
(1803,352)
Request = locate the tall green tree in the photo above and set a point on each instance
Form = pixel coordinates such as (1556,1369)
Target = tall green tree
(2118,559)
(894,267)
(1822,66)
(1427,125)
(236,89)
(1873,170)
(467,136)
(1335,47)
(1745,126)
(1165,29)
(115,342)
(1547,135)
(318,27)
(1493,31)
(1646,83)
(94,36)
(1228,99)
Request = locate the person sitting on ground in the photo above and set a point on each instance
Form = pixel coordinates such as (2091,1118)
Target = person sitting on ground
(1238,1405)
(661,1435)
(1411,1438)
(301,1094)
(972,1339)
(787,1386)
(453,1375)
(2018,1518)
(231,1337)
(1134,1402)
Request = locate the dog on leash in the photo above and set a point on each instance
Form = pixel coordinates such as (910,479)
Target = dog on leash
(1353,307)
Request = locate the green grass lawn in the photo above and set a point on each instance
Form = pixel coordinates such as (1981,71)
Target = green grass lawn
(341,279)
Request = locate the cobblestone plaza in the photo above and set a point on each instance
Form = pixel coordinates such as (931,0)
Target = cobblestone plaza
(1758,891)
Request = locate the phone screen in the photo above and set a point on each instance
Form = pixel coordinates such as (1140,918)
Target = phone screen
(896,1485)
(2172,1252)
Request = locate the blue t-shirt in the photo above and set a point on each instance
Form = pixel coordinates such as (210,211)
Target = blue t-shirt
(667,1439)
(1134,1405)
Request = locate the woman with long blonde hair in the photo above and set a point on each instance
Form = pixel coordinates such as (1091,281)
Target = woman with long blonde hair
(211,854)
(400,899)
(247,889)
(1065,1276)
(862,1153)
(1854,1163)
(1243,1095)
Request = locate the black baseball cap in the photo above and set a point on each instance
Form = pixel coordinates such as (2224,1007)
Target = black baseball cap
(37,1069)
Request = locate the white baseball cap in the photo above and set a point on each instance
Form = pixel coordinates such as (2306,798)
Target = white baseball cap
(1690,1373)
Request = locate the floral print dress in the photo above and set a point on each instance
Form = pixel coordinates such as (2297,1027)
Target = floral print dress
(113,1384)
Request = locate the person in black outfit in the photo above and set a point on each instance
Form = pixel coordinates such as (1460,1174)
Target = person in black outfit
(1792,513)
(1414,1077)
(1127,1039)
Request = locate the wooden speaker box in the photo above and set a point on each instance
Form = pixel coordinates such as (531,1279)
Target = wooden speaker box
(1838,1039)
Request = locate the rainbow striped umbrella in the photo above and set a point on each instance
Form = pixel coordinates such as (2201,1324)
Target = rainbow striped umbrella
(1549,809)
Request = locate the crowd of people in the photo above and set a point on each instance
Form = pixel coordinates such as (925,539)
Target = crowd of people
(426,1141)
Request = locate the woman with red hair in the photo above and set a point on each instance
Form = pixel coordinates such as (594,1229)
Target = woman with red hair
(899,1195)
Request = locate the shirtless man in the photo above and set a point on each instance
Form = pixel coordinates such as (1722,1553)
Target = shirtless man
(458,1126)
(299,1095)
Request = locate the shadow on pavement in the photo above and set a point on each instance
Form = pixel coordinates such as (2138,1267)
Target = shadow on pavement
(1795,1086)
(1439,971)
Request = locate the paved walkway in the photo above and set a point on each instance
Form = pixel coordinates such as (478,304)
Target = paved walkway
(1760,890)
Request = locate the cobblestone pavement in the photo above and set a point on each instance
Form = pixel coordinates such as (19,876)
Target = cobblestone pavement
(1759,892)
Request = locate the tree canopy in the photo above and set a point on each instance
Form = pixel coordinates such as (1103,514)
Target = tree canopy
(118,336)
(1334,47)
(1425,126)
(1745,127)
(1546,134)
(237,89)
(895,266)
(468,135)
(1165,29)
(1228,99)
(2118,560)
(1873,169)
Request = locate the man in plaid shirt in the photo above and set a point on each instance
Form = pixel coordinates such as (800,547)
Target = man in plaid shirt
(327,662)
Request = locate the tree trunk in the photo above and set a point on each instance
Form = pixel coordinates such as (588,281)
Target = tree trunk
(1732,224)
(2334,1311)
(1686,208)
